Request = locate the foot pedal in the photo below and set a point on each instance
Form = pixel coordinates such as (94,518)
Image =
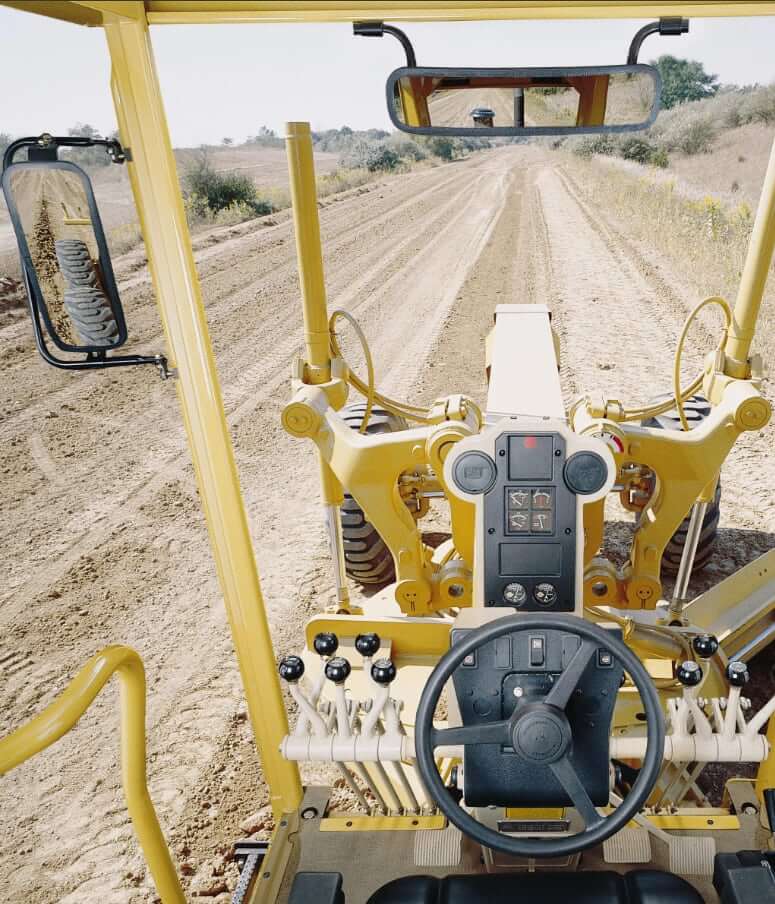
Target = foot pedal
(691,856)
(438,847)
(630,845)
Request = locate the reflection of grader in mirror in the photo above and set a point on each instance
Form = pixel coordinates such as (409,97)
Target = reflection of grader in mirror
(509,715)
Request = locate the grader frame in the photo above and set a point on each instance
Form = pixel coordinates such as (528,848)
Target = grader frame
(691,463)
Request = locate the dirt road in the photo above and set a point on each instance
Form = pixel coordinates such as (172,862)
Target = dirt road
(101,525)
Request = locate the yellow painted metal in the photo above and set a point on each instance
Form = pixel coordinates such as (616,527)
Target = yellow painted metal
(192,12)
(534,812)
(348,822)
(156,190)
(197,11)
(266,887)
(60,716)
(414,103)
(593,100)
(765,774)
(301,170)
(702,819)
(753,279)
(686,465)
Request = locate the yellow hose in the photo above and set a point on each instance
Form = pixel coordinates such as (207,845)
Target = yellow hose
(367,389)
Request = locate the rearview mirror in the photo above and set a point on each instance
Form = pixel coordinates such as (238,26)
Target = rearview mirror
(527,102)
(71,290)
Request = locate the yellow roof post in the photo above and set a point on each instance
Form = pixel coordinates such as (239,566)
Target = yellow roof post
(143,128)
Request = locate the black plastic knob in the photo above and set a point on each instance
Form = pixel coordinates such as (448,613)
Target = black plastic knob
(291,668)
(367,644)
(383,671)
(326,643)
(705,645)
(738,674)
(338,670)
(689,674)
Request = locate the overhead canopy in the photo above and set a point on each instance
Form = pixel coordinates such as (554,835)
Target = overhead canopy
(182,12)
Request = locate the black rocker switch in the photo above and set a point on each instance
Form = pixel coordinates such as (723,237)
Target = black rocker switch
(367,644)
(291,669)
(337,670)
(326,643)
(383,671)
(705,645)
(738,674)
(689,674)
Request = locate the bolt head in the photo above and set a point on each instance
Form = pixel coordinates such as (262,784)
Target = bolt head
(367,644)
(291,668)
(383,671)
(326,643)
(337,670)
(689,674)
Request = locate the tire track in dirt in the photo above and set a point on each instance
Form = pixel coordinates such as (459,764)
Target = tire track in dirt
(168,605)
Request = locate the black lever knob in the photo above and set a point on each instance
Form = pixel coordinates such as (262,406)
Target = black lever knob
(738,674)
(291,669)
(338,670)
(689,674)
(326,643)
(705,645)
(383,671)
(367,644)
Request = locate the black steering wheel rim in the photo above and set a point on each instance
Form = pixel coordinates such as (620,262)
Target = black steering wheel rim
(539,847)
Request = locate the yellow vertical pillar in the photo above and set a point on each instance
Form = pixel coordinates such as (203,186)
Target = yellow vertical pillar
(753,279)
(153,173)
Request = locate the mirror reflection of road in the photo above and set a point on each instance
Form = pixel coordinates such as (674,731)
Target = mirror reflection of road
(101,527)
(453,108)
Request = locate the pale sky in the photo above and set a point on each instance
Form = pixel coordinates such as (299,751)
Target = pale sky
(227,80)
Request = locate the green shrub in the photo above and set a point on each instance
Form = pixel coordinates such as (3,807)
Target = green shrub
(442,147)
(641,150)
(208,192)
(595,144)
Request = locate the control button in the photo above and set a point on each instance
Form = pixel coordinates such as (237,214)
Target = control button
(585,473)
(519,522)
(605,659)
(543,498)
(545,594)
(474,472)
(503,653)
(470,661)
(541,522)
(518,498)
(515,594)
(537,652)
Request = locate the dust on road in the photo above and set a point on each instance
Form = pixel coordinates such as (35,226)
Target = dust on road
(102,527)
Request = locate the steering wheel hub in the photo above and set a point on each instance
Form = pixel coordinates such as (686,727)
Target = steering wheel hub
(541,734)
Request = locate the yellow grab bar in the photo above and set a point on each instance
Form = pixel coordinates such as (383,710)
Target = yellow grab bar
(61,715)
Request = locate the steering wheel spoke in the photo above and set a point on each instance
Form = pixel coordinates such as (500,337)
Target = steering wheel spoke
(489,733)
(565,773)
(568,681)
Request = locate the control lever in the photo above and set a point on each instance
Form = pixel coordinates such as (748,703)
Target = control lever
(690,675)
(705,645)
(337,670)
(737,676)
(291,670)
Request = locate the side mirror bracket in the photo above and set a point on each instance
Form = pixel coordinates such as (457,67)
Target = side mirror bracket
(667,25)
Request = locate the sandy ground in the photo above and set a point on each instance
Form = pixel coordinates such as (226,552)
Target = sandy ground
(102,529)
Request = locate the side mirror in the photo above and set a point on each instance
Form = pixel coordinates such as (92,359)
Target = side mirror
(523,102)
(71,289)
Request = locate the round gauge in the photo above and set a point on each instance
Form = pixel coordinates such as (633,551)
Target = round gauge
(585,473)
(545,594)
(515,593)
(474,472)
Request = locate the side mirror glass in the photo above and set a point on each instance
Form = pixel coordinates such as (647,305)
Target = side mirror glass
(523,102)
(65,255)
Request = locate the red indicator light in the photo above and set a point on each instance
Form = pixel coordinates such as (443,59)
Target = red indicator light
(530,442)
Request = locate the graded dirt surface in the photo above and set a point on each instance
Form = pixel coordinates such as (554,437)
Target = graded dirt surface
(102,531)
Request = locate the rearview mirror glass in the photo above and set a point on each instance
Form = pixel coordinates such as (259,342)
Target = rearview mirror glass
(492,102)
(64,255)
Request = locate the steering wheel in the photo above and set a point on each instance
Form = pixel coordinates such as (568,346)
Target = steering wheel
(541,734)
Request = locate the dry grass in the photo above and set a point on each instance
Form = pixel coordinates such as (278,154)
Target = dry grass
(706,238)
